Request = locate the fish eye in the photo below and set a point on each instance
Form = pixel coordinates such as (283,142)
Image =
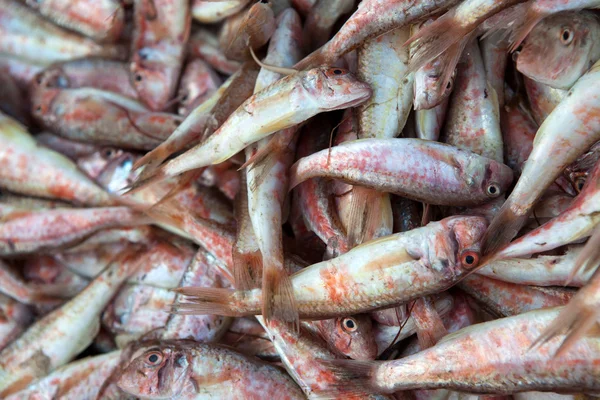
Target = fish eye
(349,324)
(108,153)
(469,259)
(336,71)
(138,77)
(580,183)
(566,36)
(153,358)
(493,190)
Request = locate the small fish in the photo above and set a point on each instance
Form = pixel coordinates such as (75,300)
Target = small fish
(251,31)
(34,170)
(570,43)
(328,289)
(101,20)
(198,82)
(162,28)
(279,106)
(558,142)
(214,11)
(181,368)
(467,178)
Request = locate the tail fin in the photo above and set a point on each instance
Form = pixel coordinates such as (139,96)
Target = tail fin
(247,268)
(589,257)
(201,301)
(152,160)
(352,378)
(278,296)
(502,230)
(366,211)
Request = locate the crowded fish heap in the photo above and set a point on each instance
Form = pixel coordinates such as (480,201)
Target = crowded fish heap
(290,199)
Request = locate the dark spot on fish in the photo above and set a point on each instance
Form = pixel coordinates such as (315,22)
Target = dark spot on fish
(541,244)
(445,263)
(138,78)
(485,93)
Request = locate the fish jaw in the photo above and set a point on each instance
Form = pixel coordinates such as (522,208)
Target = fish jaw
(335,88)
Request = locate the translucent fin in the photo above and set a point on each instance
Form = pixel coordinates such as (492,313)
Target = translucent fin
(358,374)
(361,208)
(201,301)
(152,160)
(247,269)
(266,165)
(589,257)
(278,296)
(504,227)
(429,324)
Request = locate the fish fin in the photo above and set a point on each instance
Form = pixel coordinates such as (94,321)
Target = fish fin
(436,38)
(504,227)
(154,177)
(352,377)
(266,165)
(247,269)
(516,23)
(430,327)
(278,296)
(152,160)
(200,301)
(588,258)
(295,177)
(362,210)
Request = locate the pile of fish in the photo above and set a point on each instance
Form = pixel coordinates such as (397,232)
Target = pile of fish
(289,199)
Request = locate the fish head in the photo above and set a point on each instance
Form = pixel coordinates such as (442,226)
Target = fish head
(486,177)
(569,43)
(335,88)
(151,77)
(160,371)
(352,336)
(430,89)
(464,236)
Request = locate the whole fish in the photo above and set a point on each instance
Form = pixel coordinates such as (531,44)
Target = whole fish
(100,20)
(101,117)
(498,346)
(571,128)
(371,19)
(198,82)
(188,369)
(34,170)
(570,43)
(576,222)
(467,178)
(81,379)
(287,102)
(542,99)
(59,336)
(26,34)
(162,29)
(215,11)
(409,265)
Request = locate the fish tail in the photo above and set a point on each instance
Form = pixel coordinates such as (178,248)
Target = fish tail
(365,209)
(202,301)
(278,296)
(353,378)
(589,257)
(153,177)
(434,39)
(504,227)
(266,165)
(152,160)
(247,269)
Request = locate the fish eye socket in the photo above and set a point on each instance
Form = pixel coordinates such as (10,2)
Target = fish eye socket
(154,358)
(336,71)
(138,78)
(493,190)
(566,36)
(349,325)
(469,259)
(580,183)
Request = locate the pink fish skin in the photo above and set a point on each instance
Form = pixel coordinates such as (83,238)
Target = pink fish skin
(198,82)
(467,178)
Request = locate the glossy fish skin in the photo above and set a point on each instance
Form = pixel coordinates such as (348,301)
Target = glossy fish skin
(518,133)
(383,64)
(17,317)
(472,121)
(101,117)
(34,170)
(44,230)
(100,20)
(182,368)
(570,43)
(253,30)
(59,336)
(511,370)
(541,270)
(288,102)
(162,29)
(494,49)
(205,45)
(198,82)
(410,265)
(371,19)
(25,34)
(571,128)
(542,99)
(81,379)
(467,178)
(215,11)
(576,222)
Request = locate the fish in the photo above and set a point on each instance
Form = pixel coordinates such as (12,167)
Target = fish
(208,12)
(321,19)
(198,82)
(468,178)
(31,169)
(162,29)
(553,149)
(570,42)
(542,99)
(16,318)
(181,368)
(371,19)
(265,113)
(494,49)
(428,369)
(59,336)
(25,34)
(327,289)
(205,44)
(252,30)
(102,20)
